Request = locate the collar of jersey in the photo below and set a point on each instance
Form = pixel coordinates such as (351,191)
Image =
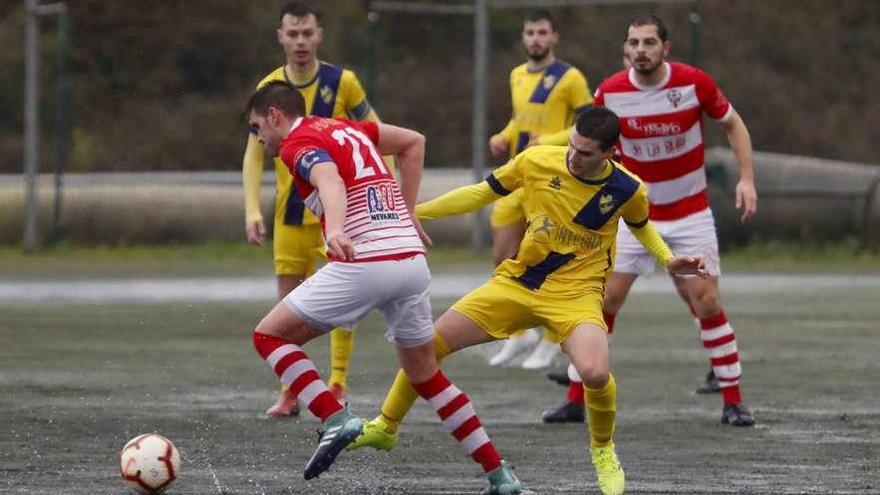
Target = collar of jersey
(608,169)
(645,87)
(295,124)
(305,84)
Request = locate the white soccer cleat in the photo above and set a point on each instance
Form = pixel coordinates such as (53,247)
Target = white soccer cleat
(513,347)
(542,357)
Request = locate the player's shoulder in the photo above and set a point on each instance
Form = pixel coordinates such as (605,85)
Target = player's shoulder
(569,71)
(624,177)
(275,75)
(539,151)
(544,156)
(619,81)
(682,73)
(520,69)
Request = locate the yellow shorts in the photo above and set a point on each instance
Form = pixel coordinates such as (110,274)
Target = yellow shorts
(503,306)
(298,248)
(508,210)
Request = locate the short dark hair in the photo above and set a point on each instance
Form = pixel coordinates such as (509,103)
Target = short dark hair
(278,94)
(300,9)
(648,20)
(598,123)
(539,15)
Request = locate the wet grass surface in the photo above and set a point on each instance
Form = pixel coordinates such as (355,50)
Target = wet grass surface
(78,381)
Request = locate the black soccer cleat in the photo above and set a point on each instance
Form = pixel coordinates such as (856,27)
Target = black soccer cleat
(737,415)
(567,412)
(708,384)
(560,377)
(339,430)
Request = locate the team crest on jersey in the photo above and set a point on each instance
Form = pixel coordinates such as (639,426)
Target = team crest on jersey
(380,203)
(674,97)
(606,202)
(548,81)
(327,94)
(555,183)
(542,229)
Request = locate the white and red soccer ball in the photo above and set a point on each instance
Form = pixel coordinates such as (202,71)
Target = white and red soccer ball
(149,463)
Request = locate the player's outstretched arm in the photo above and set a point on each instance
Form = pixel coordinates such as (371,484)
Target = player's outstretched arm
(252,178)
(741,145)
(461,200)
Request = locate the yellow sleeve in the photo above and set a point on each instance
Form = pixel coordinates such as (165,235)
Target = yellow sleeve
(635,214)
(461,200)
(649,237)
(579,94)
(252,178)
(354,98)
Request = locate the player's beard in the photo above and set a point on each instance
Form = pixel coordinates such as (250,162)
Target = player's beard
(537,56)
(646,70)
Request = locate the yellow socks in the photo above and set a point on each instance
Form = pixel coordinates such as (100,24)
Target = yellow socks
(401,396)
(341,345)
(602,409)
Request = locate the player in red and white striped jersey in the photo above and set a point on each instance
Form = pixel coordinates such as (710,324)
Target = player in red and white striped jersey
(376,261)
(661,106)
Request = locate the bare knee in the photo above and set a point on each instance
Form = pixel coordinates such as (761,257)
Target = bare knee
(419,363)
(707,304)
(594,377)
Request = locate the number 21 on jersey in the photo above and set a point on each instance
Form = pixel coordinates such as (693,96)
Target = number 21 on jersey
(357,138)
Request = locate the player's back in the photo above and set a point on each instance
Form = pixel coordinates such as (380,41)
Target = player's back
(570,242)
(377,219)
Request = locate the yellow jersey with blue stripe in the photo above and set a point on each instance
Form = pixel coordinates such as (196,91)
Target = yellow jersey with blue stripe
(545,104)
(569,246)
(332,92)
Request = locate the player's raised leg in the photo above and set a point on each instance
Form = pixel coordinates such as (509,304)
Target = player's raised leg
(286,404)
(277,339)
(587,347)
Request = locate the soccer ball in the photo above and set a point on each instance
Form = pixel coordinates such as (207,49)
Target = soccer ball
(149,463)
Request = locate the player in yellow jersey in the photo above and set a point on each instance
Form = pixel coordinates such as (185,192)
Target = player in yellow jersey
(546,94)
(298,245)
(573,200)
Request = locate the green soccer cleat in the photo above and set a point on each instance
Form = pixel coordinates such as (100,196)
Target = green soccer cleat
(375,435)
(608,470)
(502,481)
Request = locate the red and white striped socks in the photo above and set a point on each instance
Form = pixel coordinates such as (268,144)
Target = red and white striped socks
(460,419)
(296,371)
(718,338)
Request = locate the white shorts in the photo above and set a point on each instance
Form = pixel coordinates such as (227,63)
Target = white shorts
(691,235)
(340,294)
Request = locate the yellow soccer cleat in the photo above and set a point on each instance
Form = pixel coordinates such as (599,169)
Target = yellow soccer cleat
(375,435)
(608,470)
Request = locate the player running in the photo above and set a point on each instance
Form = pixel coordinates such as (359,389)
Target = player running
(574,198)
(376,262)
(660,105)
